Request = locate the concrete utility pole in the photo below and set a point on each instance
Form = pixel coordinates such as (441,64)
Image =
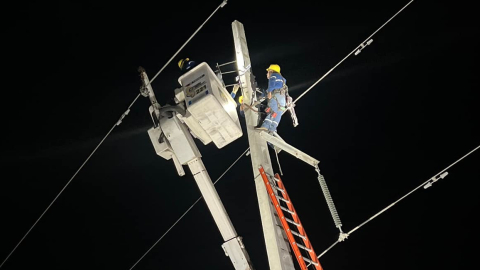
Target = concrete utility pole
(278,250)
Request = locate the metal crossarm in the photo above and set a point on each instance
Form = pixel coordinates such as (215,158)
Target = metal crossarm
(277,184)
(282,145)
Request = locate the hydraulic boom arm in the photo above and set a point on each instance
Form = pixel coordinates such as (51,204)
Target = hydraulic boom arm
(172,139)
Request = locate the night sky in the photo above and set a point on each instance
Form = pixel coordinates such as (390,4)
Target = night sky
(381,123)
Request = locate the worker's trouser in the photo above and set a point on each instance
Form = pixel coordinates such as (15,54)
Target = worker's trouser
(274,112)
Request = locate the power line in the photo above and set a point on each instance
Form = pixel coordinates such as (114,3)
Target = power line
(116,124)
(69,181)
(359,47)
(188,210)
(426,184)
(220,6)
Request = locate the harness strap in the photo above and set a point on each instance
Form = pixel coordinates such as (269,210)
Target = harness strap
(281,91)
(278,105)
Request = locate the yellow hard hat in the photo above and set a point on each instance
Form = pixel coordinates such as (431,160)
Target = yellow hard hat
(182,62)
(274,67)
(240,99)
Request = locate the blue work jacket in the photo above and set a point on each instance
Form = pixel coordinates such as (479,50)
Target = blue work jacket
(276,81)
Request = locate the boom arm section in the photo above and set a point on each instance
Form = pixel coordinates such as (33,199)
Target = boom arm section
(172,139)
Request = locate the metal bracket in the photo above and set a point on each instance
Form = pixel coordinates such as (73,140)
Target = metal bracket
(289,149)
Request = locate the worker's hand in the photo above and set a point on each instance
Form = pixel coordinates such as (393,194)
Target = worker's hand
(269,95)
(235,88)
(242,107)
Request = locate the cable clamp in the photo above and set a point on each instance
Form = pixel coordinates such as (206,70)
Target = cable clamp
(362,46)
(246,69)
(342,236)
(123,116)
(144,91)
(435,179)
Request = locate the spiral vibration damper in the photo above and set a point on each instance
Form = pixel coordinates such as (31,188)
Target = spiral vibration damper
(328,198)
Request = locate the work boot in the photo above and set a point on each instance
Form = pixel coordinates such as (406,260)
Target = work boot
(261,128)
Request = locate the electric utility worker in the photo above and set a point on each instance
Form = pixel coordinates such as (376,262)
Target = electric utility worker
(242,107)
(186,65)
(276,93)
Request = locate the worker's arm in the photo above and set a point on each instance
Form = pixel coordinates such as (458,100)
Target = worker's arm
(242,110)
(272,83)
(275,82)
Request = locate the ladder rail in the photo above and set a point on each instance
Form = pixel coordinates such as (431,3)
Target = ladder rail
(296,219)
(281,216)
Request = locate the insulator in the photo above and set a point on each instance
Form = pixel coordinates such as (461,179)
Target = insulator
(328,198)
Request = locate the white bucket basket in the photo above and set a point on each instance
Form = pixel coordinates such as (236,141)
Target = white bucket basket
(210,104)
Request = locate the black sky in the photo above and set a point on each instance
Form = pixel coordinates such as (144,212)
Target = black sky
(381,124)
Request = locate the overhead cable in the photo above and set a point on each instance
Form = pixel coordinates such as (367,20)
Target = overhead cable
(220,6)
(69,181)
(154,244)
(116,124)
(357,49)
(425,184)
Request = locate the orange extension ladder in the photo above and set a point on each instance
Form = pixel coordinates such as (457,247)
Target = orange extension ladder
(278,194)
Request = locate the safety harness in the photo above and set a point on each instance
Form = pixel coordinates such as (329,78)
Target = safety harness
(281,91)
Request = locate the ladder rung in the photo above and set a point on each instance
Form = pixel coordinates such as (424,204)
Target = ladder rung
(280,198)
(310,261)
(299,235)
(303,247)
(286,210)
(293,222)
(279,189)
